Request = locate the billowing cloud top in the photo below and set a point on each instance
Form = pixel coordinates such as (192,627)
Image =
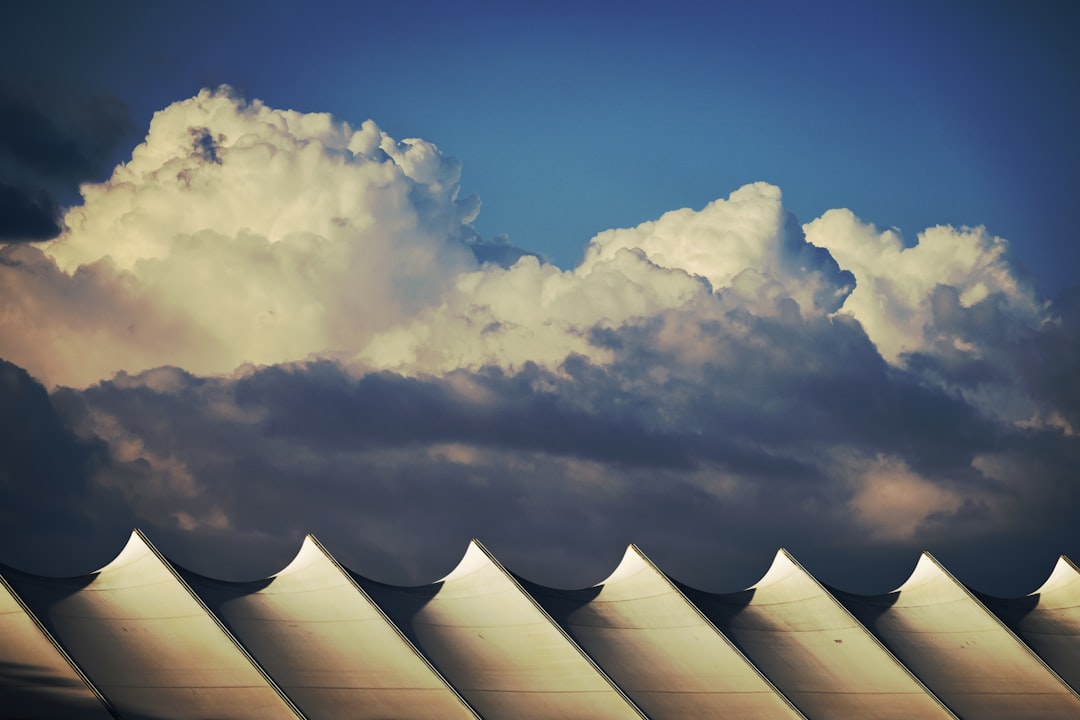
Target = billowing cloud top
(276,300)
(238,234)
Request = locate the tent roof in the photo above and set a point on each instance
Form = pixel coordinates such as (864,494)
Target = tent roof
(144,637)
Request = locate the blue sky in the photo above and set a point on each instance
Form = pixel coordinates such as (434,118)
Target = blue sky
(268,322)
(571,119)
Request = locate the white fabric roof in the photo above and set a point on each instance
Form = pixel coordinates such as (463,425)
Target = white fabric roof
(147,644)
(327,645)
(36,680)
(659,648)
(819,656)
(500,650)
(142,638)
(961,651)
(1048,620)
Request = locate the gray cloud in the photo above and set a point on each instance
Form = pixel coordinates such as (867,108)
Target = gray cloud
(28,213)
(49,143)
(275,323)
(783,441)
(53,518)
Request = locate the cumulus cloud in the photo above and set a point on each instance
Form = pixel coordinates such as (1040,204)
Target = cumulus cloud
(746,241)
(238,234)
(744,251)
(273,323)
(755,446)
(531,313)
(907,297)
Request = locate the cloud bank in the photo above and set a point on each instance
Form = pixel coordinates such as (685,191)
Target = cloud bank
(269,322)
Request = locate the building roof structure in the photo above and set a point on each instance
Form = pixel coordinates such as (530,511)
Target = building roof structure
(143,638)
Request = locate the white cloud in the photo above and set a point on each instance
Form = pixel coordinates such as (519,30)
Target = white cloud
(897,286)
(238,233)
(747,249)
(691,373)
(750,231)
(531,312)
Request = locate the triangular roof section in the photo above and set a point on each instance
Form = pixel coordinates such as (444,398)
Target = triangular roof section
(498,647)
(327,644)
(1048,620)
(815,651)
(39,681)
(148,644)
(659,648)
(961,651)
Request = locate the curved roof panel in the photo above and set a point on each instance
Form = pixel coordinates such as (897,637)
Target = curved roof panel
(498,648)
(660,650)
(147,644)
(1048,620)
(143,638)
(327,645)
(962,652)
(37,682)
(811,648)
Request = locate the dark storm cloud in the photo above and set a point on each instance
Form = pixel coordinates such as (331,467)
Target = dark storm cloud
(322,406)
(52,518)
(1049,361)
(27,213)
(49,143)
(710,465)
(801,384)
(709,435)
(1044,361)
(64,138)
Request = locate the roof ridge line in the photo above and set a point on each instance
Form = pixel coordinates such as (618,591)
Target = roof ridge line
(551,621)
(867,632)
(389,621)
(730,643)
(172,569)
(979,604)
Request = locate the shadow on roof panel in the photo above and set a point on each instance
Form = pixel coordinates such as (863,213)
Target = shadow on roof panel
(36,681)
(1048,620)
(659,649)
(505,656)
(147,644)
(814,651)
(327,645)
(964,654)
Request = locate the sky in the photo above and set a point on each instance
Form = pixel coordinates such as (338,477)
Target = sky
(709,278)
